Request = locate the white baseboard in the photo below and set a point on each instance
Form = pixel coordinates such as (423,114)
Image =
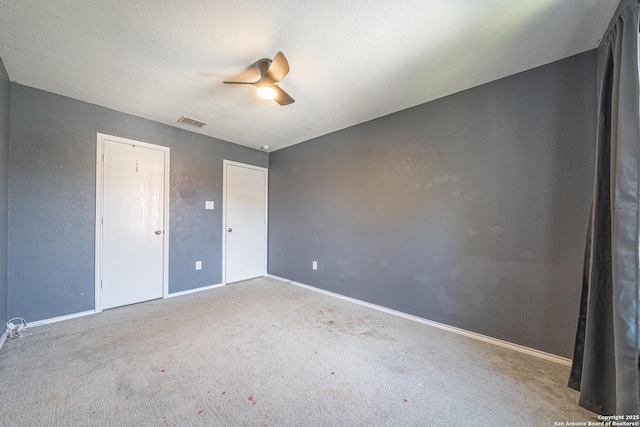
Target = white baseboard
(3,338)
(60,318)
(86,313)
(517,347)
(190,291)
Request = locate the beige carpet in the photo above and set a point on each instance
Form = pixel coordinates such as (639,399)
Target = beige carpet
(263,352)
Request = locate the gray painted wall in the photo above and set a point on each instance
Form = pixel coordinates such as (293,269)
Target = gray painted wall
(470,210)
(5,98)
(52,200)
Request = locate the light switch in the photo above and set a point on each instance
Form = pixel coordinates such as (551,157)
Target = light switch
(208,205)
(198,265)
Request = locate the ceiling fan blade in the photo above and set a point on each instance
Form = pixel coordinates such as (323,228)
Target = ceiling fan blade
(247,74)
(282,97)
(278,69)
(239,83)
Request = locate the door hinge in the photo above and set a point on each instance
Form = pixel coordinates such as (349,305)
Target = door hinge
(102,221)
(100,283)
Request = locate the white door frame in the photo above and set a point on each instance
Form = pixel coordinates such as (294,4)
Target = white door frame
(99,212)
(225,163)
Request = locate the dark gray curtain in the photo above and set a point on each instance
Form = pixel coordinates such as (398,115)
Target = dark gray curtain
(606,364)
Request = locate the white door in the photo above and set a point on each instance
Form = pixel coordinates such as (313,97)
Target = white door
(132,223)
(245,221)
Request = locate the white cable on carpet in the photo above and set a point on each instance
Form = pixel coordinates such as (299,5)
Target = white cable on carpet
(19,328)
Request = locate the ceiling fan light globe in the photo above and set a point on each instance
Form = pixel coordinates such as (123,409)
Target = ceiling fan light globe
(266,92)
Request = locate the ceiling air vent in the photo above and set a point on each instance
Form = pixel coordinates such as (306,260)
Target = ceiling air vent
(192,122)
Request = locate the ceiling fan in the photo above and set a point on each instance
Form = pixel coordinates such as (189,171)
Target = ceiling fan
(271,72)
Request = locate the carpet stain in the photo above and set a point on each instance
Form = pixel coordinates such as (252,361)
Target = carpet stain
(376,333)
(338,394)
(397,369)
(200,411)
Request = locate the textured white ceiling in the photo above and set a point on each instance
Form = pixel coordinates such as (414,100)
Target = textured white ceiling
(351,61)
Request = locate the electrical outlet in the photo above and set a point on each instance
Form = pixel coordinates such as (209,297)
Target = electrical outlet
(314,265)
(198,265)
(208,205)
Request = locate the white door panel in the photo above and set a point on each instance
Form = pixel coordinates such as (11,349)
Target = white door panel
(245,210)
(133,229)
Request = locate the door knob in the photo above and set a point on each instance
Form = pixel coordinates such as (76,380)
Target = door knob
(158,231)
(230,230)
